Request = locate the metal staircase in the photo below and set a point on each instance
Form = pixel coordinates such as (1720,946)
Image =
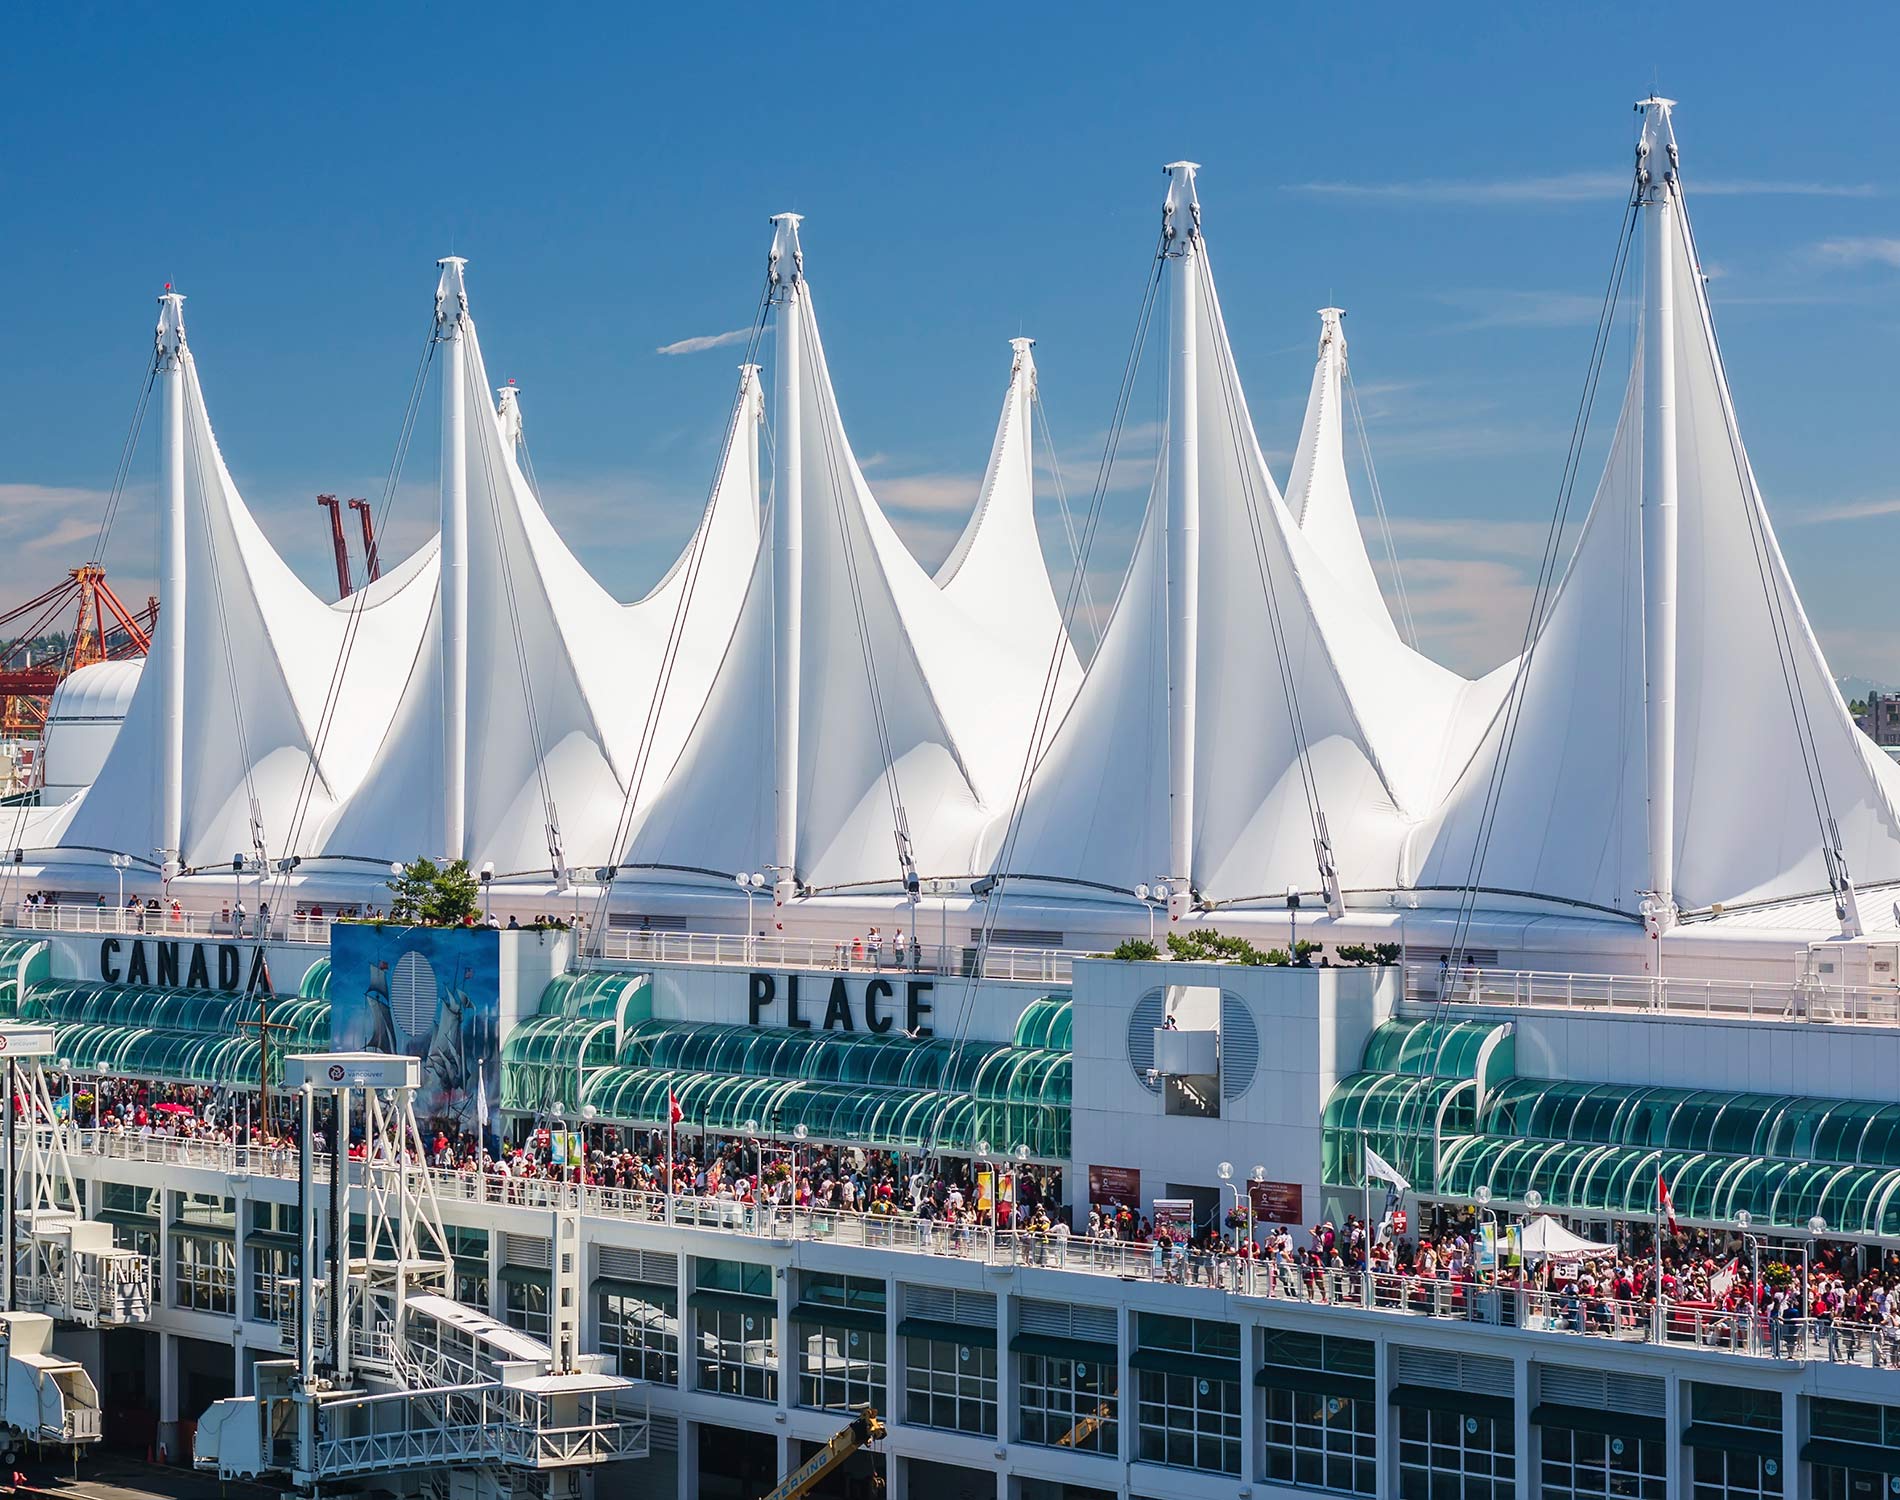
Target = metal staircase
(392,1377)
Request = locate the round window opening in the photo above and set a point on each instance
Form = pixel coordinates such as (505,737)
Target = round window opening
(1239,1041)
(1203,1387)
(1471,1424)
(964,1355)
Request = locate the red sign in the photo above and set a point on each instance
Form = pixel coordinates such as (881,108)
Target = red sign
(1277,1202)
(1398,1221)
(1115,1185)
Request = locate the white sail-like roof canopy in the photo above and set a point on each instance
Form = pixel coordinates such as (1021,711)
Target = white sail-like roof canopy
(1764,750)
(561,676)
(879,687)
(259,659)
(996,570)
(1380,725)
(1318,492)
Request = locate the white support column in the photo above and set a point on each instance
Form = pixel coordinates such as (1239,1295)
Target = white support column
(1181,219)
(1656,166)
(788,524)
(171,582)
(451,311)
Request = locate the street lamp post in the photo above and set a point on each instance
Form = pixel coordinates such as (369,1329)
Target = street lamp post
(1225,1171)
(1817,1226)
(120,864)
(1293,924)
(751,882)
(488,879)
(1159,893)
(1753,1246)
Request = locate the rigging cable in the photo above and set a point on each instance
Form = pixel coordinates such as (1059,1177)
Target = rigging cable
(1045,708)
(1511,713)
(1245,451)
(1062,506)
(333,693)
(1763,546)
(669,656)
(1378,507)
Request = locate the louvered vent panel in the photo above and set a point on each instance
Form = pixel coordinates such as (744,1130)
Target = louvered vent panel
(1060,1320)
(948,1305)
(1601,1390)
(655,1267)
(526,1250)
(1449,1371)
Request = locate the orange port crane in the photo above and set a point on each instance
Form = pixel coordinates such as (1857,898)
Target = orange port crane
(340,542)
(372,564)
(105,630)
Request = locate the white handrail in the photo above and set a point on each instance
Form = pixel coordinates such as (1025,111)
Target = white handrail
(1799,1000)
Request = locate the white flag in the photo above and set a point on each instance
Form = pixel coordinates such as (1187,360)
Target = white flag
(1378,1166)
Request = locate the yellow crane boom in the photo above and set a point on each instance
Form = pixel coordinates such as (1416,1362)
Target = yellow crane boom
(863,1428)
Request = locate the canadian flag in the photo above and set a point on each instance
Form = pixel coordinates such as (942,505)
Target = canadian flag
(674,1116)
(1668,1203)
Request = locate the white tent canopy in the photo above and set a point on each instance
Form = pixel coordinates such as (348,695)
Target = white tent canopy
(1318,492)
(1764,749)
(1383,728)
(561,675)
(906,693)
(996,571)
(259,658)
(1542,1237)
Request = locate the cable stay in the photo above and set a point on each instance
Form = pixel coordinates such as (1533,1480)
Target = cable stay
(696,552)
(1407,629)
(1062,507)
(1289,688)
(1548,576)
(990,888)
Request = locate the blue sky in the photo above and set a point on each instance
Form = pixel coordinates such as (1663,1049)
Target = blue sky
(1453,178)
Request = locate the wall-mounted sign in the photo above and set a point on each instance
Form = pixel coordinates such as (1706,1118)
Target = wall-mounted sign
(1109,1185)
(847,1005)
(177,964)
(1175,1215)
(1277,1202)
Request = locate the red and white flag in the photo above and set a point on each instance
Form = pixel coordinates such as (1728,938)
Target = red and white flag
(673,1114)
(1662,1196)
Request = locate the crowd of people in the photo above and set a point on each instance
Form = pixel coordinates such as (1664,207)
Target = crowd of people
(1717,1289)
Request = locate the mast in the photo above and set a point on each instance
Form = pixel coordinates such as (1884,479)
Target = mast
(786,272)
(171,583)
(1657,189)
(451,312)
(1181,224)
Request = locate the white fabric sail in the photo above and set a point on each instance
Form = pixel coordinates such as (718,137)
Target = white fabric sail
(1381,724)
(954,697)
(1753,690)
(261,653)
(1318,492)
(997,571)
(561,674)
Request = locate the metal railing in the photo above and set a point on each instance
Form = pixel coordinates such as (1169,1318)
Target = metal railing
(1734,999)
(1496,1303)
(490,1424)
(296,927)
(737,950)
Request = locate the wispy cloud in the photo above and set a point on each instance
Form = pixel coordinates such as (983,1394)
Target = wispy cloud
(1859,250)
(1846,510)
(929,493)
(1507,309)
(704,341)
(1572,187)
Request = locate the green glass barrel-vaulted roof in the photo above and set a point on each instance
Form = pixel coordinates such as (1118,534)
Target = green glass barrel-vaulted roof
(593,1048)
(1598,1148)
(172,1035)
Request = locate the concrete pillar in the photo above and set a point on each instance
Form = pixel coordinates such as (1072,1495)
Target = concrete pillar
(1791,1435)
(1252,1403)
(168,1383)
(1526,1436)
(1385,1428)
(1675,1419)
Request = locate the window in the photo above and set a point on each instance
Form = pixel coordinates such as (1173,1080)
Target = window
(1735,1436)
(204,1273)
(841,1342)
(469,1249)
(526,1303)
(1456,1453)
(738,1350)
(1577,1464)
(1187,1393)
(273,1282)
(145,1241)
(1069,1403)
(735,1329)
(950,1384)
(1850,1457)
(1322,1409)
(640,1327)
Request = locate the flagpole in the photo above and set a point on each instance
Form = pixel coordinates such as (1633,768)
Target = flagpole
(669,1156)
(1365,1221)
(1658,1290)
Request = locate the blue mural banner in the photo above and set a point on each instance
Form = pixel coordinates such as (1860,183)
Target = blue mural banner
(435,994)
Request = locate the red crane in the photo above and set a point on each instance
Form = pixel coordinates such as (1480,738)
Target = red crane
(372,564)
(340,542)
(105,630)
